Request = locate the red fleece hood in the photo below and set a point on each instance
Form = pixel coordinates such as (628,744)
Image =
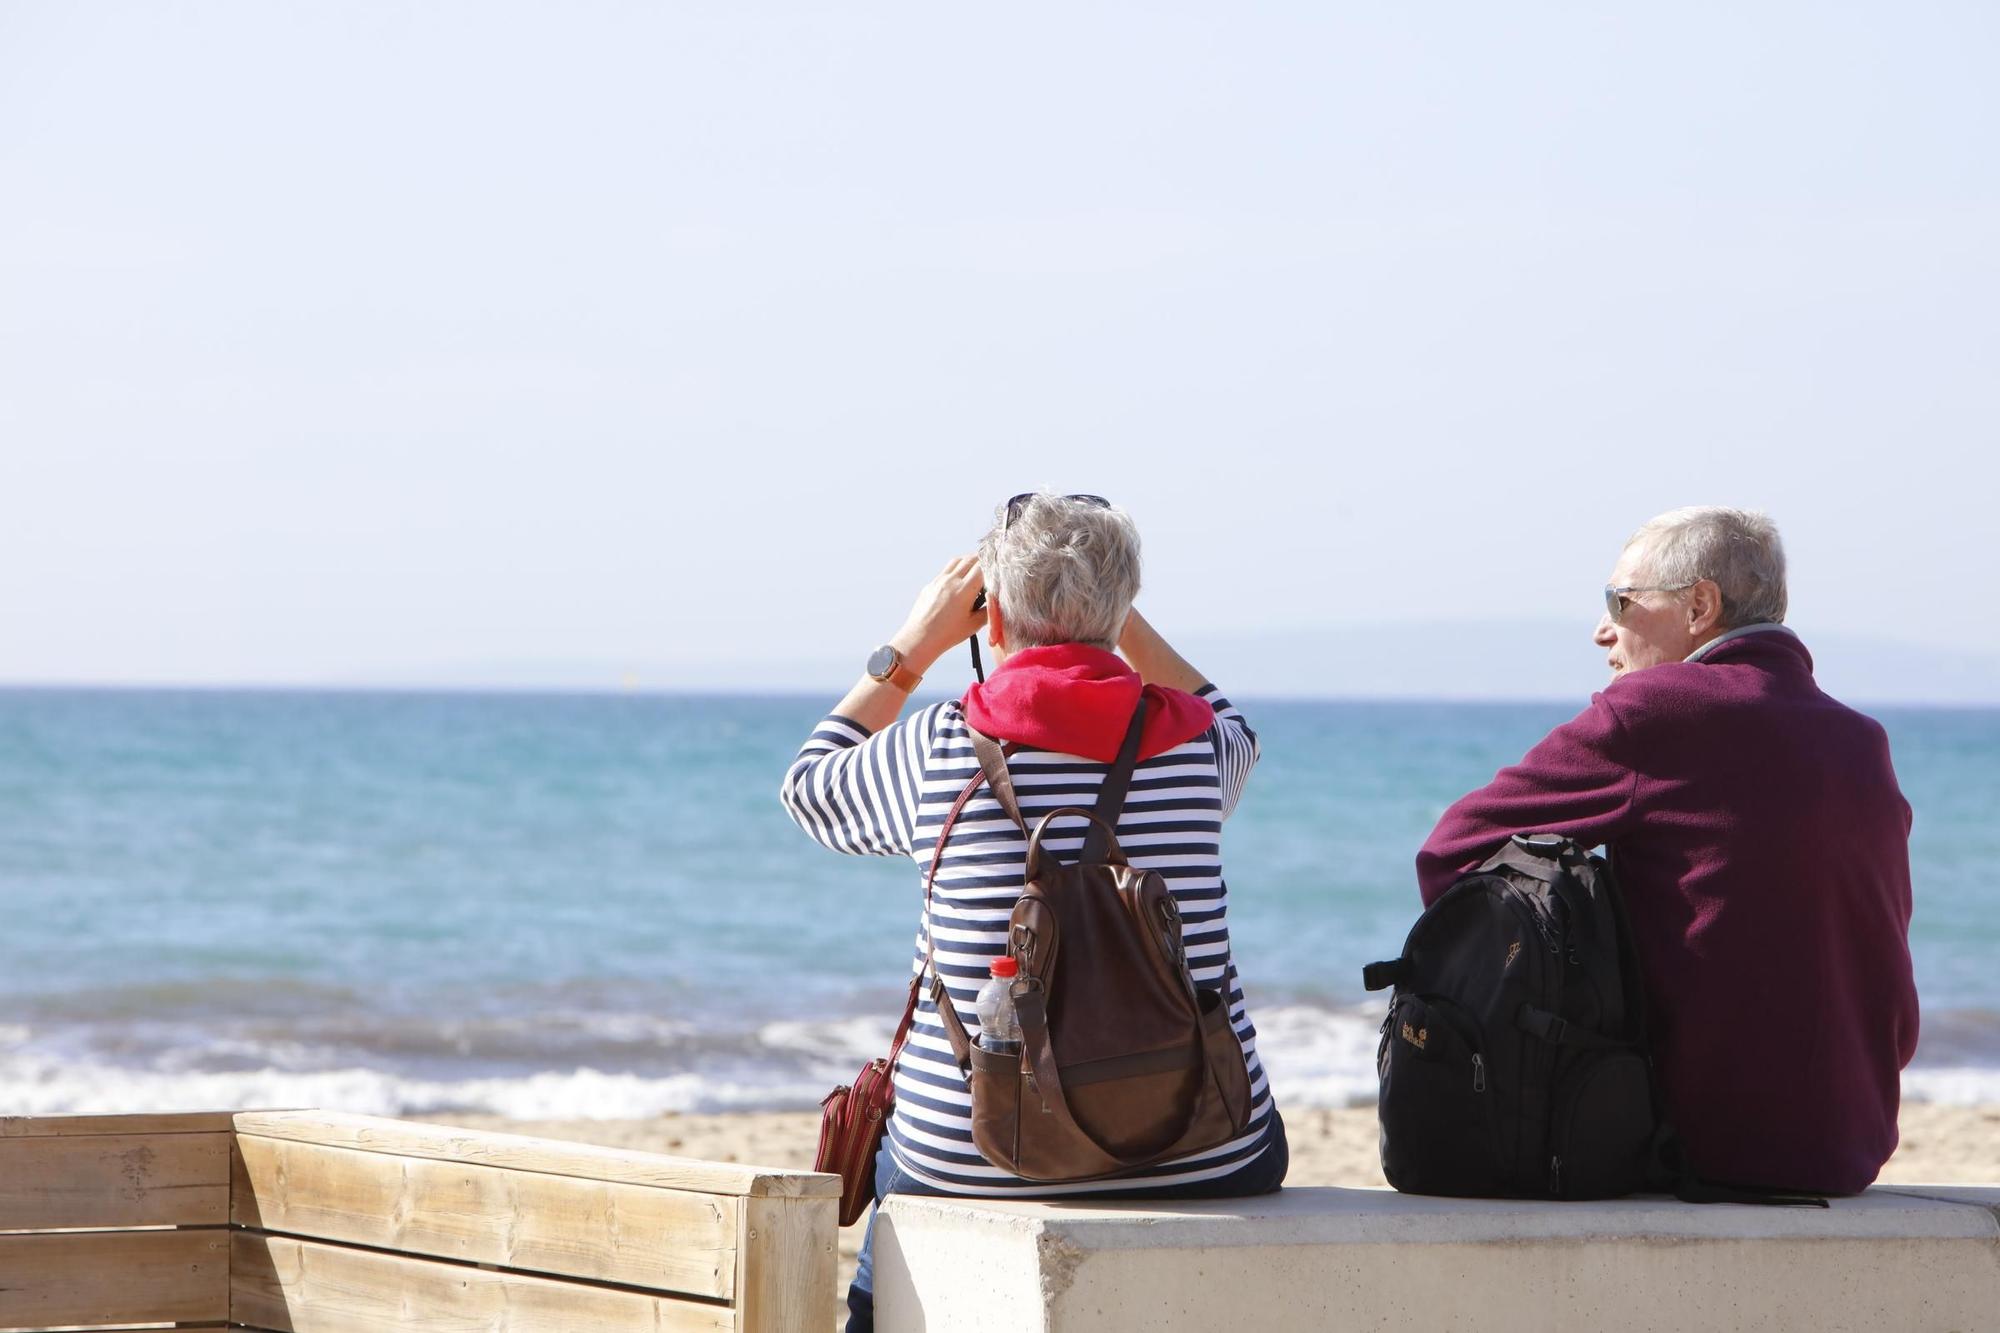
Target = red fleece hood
(1075,699)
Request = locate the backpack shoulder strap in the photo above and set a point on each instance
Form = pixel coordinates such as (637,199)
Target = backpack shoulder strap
(993,764)
(954,1031)
(1111,795)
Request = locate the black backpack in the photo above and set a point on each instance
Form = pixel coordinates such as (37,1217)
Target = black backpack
(1512,1060)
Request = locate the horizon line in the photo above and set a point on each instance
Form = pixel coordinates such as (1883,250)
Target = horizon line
(503,690)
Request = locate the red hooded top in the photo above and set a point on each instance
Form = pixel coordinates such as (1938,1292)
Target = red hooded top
(1078,700)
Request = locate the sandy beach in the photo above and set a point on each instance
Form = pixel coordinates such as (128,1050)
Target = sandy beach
(1941,1144)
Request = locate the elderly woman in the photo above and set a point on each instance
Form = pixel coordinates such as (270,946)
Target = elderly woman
(1059,574)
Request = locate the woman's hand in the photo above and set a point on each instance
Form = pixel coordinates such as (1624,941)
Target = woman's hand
(943,616)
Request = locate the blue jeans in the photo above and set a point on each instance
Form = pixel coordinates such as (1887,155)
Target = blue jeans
(1263,1174)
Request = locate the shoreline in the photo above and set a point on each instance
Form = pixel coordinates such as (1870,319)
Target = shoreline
(1941,1143)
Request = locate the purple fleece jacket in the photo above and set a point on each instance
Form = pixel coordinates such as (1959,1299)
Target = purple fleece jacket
(1762,844)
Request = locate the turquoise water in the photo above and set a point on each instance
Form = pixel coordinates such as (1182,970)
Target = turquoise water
(576,905)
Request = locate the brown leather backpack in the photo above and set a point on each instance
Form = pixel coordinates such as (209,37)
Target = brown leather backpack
(1125,1062)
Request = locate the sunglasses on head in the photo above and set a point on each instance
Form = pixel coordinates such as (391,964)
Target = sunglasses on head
(1020,502)
(1015,505)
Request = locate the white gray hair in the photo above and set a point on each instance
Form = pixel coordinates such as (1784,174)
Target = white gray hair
(1736,548)
(1063,571)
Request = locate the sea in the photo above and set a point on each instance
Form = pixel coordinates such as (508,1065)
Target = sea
(592,906)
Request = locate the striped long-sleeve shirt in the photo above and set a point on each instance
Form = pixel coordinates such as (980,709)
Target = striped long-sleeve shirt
(887,794)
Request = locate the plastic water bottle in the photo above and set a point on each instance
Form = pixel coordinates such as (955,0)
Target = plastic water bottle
(999,1025)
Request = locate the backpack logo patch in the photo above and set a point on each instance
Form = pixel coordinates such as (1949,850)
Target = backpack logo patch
(1513,952)
(1416,1036)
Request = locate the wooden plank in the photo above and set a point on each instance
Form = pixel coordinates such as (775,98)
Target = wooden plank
(638,1235)
(172,1122)
(303,1286)
(549,1156)
(786,1265)
(114,1180)
(113,1277)
(145,1328)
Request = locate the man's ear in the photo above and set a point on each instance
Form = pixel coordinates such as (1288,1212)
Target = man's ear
(1704,607)
(996,633)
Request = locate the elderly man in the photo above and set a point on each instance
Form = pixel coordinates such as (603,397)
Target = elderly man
(1761,842)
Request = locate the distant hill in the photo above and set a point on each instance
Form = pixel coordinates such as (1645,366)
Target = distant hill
(1550,660)
(1533,659)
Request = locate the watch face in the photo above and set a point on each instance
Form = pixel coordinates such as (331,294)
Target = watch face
(881,662)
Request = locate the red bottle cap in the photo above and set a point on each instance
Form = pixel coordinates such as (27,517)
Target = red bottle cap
(1003,966)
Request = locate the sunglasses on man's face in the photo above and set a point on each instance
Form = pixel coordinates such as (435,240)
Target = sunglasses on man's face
(1617,601)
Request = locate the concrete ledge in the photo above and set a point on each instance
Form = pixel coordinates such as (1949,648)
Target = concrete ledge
(1902,1258)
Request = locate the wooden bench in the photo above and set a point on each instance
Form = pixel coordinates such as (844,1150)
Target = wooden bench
(309,1222)
(1904,1258)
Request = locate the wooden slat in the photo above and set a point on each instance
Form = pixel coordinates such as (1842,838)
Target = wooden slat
(373,1134)
(786,1265)
(299,1286)
(113,1277)
(638,1235)
(114,1180)
(173,1122)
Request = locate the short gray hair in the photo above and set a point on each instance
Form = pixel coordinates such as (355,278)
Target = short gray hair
(1064,571)
(1736,548)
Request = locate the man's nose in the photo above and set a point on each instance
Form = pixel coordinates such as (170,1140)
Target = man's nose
(1604,635)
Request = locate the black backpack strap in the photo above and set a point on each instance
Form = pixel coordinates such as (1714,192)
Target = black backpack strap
(1381,976)
(1670,1159)
(1111,796)
(1558,1031)
(1628,952)
(1693,1189)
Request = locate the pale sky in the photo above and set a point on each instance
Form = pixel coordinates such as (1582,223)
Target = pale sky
(679,344)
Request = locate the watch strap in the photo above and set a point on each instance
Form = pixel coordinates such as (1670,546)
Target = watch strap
(899,673)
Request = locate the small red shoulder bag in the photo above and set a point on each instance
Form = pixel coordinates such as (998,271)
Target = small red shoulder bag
(853,1116)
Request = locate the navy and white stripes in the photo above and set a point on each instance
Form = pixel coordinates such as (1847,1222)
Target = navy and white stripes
(887,794)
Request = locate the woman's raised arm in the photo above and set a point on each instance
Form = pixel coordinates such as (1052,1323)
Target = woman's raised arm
(1155,659)
(941,619)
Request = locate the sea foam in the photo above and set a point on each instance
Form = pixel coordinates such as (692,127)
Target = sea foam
(1316,1057)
